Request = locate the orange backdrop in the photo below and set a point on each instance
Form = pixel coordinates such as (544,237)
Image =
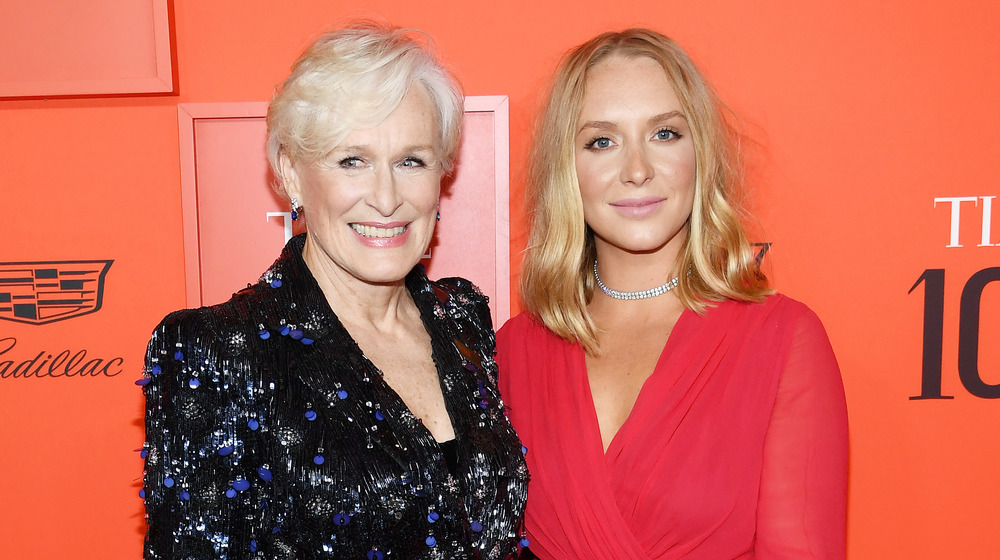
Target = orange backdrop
(863,113)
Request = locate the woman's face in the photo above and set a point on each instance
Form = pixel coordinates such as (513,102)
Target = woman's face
(635,158)
(371,204)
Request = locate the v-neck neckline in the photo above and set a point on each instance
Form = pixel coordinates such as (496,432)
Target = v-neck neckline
(616,440)
(415,283)
(424,296)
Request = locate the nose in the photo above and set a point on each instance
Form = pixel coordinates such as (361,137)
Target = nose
(636,169)
(385,196)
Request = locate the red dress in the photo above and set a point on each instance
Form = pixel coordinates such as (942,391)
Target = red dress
(736,446)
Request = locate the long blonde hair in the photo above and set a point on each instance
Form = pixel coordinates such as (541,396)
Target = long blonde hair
(557,281)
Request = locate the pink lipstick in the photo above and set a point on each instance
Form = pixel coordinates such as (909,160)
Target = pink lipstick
(638,207)
(381,235)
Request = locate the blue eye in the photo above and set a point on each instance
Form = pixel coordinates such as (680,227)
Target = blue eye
(601,143)
(413,162)
(667,134)
(350,162)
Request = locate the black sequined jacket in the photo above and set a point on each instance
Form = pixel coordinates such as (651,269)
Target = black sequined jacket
(270,435)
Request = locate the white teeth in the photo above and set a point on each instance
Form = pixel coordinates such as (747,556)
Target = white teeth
(372,231)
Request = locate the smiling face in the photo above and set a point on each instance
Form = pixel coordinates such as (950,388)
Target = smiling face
(370,204)
(635,158)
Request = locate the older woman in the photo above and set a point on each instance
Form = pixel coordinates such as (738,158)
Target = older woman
(345,405)
(672,405)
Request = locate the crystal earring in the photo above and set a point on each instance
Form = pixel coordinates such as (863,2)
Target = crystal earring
(295,208)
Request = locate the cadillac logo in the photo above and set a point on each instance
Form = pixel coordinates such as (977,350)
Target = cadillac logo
(44,292)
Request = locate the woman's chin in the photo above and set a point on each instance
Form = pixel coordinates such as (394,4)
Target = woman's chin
(387,273)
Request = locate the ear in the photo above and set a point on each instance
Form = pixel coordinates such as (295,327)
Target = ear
(290,178)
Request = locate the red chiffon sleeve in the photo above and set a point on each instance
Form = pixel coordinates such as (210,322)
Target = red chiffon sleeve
(803,490)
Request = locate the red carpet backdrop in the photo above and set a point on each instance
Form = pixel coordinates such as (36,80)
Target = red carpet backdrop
(872,155)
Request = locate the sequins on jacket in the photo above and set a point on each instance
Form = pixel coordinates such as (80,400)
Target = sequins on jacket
(270,435)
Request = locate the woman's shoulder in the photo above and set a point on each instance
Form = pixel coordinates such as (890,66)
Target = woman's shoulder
(202,325)
(792,311)
(520,325)
(526,333)
(777,317)
(457,289)
(215,349)
(454,295)
(183,324)
(455,305)
(776,306)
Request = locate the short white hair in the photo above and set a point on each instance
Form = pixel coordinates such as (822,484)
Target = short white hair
(353,78)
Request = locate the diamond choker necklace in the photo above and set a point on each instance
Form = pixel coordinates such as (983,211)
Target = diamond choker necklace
(652,292)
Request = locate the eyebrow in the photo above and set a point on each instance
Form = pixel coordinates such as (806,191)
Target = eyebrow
(608,124)
(667,116)
(364,149)
(348,149)
(597,124)
(420,148)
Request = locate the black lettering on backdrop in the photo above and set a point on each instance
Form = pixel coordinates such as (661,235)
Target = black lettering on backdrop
(762,249)
(933,347)
(968,334)
(61,364)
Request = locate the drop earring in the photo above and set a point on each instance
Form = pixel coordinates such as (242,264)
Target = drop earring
(439,213)
(295,208)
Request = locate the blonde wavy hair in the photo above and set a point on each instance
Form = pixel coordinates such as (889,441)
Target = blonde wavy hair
(353,78)
(557,279)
